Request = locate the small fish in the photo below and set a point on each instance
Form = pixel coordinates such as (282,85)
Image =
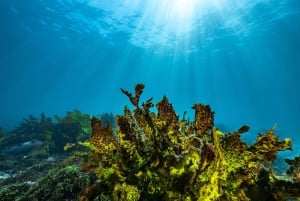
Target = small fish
(24,147)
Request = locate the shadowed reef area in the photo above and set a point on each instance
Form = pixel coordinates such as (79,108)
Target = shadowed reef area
(142,155)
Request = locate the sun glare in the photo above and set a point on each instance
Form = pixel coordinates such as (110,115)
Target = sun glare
(183,13)
(158,22)
(183,9)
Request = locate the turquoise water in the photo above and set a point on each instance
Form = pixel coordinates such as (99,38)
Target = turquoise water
(241,57)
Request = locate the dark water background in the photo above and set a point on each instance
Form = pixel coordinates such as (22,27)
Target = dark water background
(241,57)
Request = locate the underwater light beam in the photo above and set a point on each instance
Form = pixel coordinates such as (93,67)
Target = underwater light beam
(189,8)
(183,8)
(163,22)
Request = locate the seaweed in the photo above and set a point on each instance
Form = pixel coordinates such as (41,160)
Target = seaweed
(57,184)
(152,156)
(145,155)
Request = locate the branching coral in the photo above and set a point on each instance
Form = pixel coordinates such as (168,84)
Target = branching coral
(157,156)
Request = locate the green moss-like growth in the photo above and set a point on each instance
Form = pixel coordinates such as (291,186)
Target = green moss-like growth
(58,184)
(30,128)
(13,192)
(156,156)
(125,192)
(77,117)
(61,184)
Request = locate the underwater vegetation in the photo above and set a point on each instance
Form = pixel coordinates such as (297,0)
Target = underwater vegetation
(142,155)
(36,146)
(34,164)
(157,156)
(57,184)
(50,134)
(1,133)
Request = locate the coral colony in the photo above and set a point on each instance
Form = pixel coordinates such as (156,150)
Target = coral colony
(157,156)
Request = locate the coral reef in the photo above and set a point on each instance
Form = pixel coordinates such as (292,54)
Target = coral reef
(156,156)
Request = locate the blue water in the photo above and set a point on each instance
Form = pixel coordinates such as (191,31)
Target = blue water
(242,57)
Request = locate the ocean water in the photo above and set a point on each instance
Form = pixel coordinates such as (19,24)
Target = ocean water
(241,57)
